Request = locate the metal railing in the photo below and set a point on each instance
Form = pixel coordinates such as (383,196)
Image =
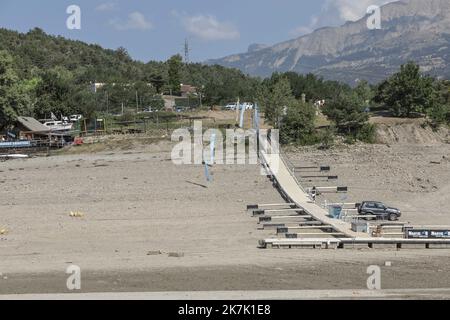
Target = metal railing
(292,172)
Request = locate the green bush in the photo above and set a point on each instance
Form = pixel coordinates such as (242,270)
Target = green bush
(439,115)
(367,133)
(349,139)
(326,137)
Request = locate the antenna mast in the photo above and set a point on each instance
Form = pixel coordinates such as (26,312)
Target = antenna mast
(187,49)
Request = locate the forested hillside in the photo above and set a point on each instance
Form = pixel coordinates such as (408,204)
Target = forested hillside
(53,74)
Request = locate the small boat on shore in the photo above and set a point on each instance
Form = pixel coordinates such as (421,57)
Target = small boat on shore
(58,126)
(13,156)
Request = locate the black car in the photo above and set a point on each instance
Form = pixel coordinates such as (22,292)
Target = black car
(379,210)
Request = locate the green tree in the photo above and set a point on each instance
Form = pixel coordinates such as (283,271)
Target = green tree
(364,91)
(439,105)
(122,54)
(297,125)
(348,113)
(55,92)
(14,98)
(175,64)
(407,91)
(146,94)
(274,98)
(84,102)
(115,94)
(314,87)
(157,81)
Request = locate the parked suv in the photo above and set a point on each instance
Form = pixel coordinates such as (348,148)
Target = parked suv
(378,209)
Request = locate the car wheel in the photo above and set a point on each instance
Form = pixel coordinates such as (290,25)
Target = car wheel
(392,217)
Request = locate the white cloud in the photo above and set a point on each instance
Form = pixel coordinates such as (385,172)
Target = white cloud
(302,30)
(135,21)
(336,12)
(107,6)
(208,27)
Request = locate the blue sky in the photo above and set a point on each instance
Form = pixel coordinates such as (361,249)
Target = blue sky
(155,30)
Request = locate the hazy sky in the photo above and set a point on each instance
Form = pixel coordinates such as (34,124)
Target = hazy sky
(155,30)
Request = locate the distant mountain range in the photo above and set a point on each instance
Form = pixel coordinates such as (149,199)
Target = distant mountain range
(417,30)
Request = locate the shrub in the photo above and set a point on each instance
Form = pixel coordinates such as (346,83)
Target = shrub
(326,138)
(367,133)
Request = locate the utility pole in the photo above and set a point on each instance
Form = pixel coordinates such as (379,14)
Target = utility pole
(238,103)
(107,102)
(186,51)
(137,102)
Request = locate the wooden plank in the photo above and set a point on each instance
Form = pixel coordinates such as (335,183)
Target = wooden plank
(286,215)
(259,206)
(318,177)
(298,224)
(310,227)
(296,216)
(285,210)
(282,230)
(391,227)
(269,226)
(276,212)
(268,219)
(310,168)
(297,235)
(331,189)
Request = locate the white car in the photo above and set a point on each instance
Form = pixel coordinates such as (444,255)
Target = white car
(245,106)
(231,106)
(75,117)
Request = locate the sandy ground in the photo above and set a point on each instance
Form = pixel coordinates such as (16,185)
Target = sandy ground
(137,201)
